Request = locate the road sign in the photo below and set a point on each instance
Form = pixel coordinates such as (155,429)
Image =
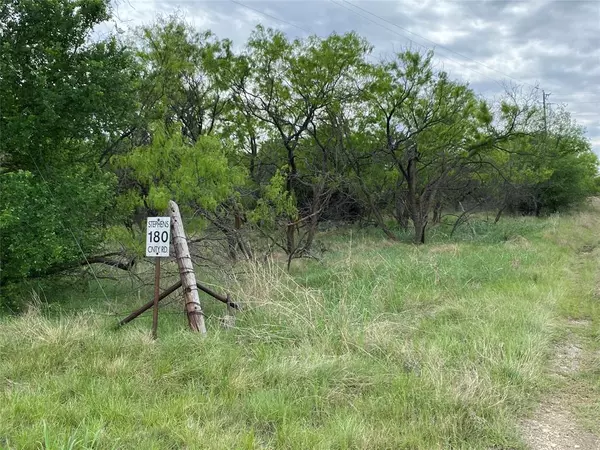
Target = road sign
(158,236)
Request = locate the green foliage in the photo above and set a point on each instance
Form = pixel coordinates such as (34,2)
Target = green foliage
(64,100)
(572,181)
(42,224)
(275,201)
(548,171)
(177,114)
(186,75)
(194,174)
(573,163)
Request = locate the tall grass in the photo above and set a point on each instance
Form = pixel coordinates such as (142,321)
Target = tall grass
(375,346)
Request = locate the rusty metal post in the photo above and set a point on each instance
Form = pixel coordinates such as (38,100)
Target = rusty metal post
(149,305)
(156,297)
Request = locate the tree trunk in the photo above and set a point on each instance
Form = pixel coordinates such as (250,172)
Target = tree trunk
(500,211)
(538,208)
(315,212)
(253,156)
(234,238)
(402,215)
(229,234)
(375,211)
(414,202)
(420,225)
(244,246)
(313,224)
(437,213)
(186,271)
(231,246)
(381,222)
(290,233)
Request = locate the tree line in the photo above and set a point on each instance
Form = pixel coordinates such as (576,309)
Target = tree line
(267,141)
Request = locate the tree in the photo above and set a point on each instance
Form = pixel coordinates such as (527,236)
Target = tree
(184,132)
(551,169)
(286,88)
(427,134)
(65,100)
(185,72)
(195,173)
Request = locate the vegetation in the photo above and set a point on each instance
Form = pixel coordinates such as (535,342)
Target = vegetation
(284,150)
(63,102)
(377,346)
(260,146)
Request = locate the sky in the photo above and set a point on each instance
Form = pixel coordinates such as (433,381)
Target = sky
(547,46)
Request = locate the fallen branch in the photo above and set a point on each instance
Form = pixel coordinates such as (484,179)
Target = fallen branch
(102,259)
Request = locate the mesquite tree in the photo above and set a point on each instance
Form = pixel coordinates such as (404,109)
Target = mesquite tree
(287,86)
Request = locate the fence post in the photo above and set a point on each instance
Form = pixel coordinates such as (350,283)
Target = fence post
(186,271)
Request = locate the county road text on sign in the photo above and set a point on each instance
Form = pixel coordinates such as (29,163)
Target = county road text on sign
(158,236)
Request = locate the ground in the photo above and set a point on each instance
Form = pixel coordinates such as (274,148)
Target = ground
(554,424)
(489,339)
(568,416)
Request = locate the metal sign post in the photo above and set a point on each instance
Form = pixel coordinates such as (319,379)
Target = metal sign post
(156,295)
(158,237)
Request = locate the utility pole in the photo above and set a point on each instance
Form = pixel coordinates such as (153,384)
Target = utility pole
(544,95)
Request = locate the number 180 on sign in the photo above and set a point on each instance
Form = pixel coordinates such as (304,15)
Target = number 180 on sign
(158,236)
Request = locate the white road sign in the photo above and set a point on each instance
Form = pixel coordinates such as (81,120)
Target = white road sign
(158,236)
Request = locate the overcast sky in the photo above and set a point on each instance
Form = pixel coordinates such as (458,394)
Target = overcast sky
(554,45)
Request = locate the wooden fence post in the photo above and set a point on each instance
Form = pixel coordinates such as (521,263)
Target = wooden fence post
(186,271)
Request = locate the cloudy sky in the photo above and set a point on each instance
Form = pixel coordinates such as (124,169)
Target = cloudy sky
(551,45)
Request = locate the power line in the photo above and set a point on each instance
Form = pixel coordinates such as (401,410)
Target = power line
(447,49)
(577,103)
(270,16)
(434,43)
(412,41)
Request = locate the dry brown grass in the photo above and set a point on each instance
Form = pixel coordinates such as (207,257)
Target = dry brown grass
(445,248)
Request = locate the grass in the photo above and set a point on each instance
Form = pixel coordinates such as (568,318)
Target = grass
(378,345)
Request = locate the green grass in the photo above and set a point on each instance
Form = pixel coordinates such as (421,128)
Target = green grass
(378,345)
(579,315)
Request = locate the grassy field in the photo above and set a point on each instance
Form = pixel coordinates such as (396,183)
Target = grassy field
(378,345)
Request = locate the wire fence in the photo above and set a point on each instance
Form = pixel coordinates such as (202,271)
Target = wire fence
(113,292)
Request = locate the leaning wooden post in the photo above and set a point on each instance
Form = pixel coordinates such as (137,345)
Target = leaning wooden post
(186,271)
